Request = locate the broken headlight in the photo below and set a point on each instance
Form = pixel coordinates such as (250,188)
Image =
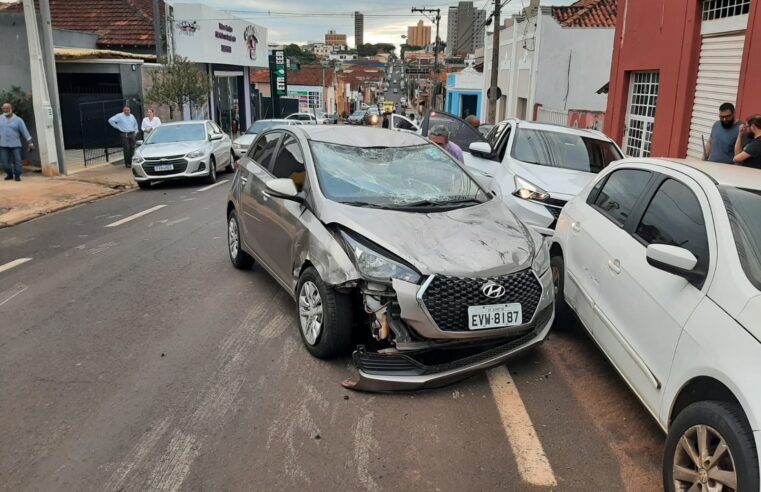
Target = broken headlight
(376,266)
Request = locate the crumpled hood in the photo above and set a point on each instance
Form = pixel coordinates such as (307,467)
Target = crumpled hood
(245,139)
(750,317)
(477,241)
(167,149)
(554,180)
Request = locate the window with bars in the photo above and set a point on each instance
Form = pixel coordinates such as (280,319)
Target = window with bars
(721,9)
(643,99)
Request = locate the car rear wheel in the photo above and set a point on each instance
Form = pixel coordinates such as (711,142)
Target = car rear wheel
(325,317)
(230,168)
(212,177)
(563,313)
(710,447)
(239,258)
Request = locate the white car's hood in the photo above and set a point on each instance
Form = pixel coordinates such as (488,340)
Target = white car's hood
(245,140)
(170,149)
(750,317)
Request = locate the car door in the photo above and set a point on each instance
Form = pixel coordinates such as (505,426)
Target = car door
(401,123)
(462,134)
(644,309)
(280,218)
(254,169)
(215,144)
(223,146)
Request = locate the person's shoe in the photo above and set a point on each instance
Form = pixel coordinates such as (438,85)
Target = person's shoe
(17,178)
(8,178)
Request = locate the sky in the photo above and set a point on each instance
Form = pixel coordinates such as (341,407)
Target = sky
(302,21)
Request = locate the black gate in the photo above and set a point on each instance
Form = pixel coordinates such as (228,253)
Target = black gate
(99,140)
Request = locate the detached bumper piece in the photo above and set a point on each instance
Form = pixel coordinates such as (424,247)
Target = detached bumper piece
(437,367)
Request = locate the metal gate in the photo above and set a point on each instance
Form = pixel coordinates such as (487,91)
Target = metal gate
(99,140)
(640,119)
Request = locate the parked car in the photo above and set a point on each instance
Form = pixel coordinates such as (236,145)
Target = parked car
(536,167)
(357,117)
(186,149)
(241,144)
(385,232)
(331,118)
(661,261)
(304,118)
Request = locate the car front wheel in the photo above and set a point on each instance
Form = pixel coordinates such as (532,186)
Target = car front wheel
(710,447)
(563,315)
(239,258)
(230,168)
(325,317)
(212,177)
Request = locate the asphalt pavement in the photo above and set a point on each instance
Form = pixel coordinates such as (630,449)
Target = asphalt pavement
(135,357)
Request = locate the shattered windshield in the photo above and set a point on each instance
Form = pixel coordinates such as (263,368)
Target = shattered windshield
(393,177)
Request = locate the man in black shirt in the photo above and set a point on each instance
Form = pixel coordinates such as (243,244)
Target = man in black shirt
(750,155)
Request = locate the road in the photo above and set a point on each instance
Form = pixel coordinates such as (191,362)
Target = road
(134,357)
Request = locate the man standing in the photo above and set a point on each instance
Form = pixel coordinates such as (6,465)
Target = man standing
(473,121)
(125,123)
(750,155)
(721,144)
(440,136)
(13,132)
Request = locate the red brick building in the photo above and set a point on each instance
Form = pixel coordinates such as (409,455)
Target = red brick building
(674,63)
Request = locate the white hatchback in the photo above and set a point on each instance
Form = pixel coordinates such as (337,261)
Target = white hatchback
(661,261)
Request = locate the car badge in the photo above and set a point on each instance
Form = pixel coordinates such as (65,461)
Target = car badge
(163,159)
(493,291)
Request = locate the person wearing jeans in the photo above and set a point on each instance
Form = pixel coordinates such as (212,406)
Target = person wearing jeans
(126,123)
(13,132)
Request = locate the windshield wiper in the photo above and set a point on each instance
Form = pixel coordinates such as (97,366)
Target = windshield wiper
(362,204)
(438,203)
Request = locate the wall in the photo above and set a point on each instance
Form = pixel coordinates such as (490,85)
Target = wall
(14,62)
(749,95)
(75,39)
(573,64)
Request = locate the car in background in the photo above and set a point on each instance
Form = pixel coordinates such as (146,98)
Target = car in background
(304,118)
(351,223)
(241,144)
(357,117)
(536,167)
(188,149)
(661,261)
(331,118)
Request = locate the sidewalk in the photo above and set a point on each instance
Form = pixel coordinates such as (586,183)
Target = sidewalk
(36,195)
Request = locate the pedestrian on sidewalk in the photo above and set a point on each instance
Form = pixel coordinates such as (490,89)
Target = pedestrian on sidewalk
(150,123)
(126,123)
(440,136)
(13,133)
(749,155)
(720,147)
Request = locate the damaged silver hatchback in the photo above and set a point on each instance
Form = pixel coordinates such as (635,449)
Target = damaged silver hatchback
(391,248)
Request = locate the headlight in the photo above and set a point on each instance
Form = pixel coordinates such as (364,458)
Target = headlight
(195,154)
(529,191)
(137,159)
(541,262)
(374,266)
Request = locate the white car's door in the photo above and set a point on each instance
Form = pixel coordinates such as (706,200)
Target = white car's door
(643,309)
(399,122)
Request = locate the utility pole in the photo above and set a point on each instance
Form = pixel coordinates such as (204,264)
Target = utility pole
(494,65)
(157,29)
(48,58)
(436,19)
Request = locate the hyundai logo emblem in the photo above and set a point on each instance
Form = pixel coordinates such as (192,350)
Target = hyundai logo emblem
(493,291)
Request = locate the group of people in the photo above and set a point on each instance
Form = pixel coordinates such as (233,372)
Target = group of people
(126,124)
(733,141)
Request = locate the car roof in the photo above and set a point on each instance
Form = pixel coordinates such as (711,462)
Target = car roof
(276,120)
(721,174)
(549,127)
(359,136)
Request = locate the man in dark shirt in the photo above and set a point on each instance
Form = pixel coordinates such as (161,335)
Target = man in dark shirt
(750,155)
(721,144)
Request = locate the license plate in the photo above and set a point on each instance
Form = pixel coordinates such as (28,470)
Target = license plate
(163,167)
(496,316)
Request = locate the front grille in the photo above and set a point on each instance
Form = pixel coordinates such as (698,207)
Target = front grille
(448,298)
(180,165)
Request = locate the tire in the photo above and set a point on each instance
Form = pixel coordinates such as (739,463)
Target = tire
(239,258)
(144,185)
(332,338)
(563,313)
(722,420)
(212,177)
(230,168)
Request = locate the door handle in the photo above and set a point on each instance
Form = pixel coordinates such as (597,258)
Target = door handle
(576,226)
(615,266)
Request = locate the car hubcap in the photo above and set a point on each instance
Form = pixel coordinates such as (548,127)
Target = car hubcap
(232,237)
(703,462)
(310,312)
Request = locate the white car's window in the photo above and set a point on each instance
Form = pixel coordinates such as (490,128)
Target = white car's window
(620,193)
(674,217)
(262,150)
(259,126)
(556,149)
(744,208)
(176,133)
(393,177)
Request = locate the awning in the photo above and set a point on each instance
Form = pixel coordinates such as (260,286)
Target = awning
(90,54)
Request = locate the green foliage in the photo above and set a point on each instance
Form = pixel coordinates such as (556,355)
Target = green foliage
(177,83)
(409,47)
(369,49)
(20,100)
(294,51)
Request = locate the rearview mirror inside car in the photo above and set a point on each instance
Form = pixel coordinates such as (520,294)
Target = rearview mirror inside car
(480,148)
(283,188)
(673,259)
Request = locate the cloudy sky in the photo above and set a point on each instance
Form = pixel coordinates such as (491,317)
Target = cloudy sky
(301,21)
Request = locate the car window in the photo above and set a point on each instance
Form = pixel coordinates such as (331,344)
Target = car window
(620,193)
(209,130)
(744,209)
(674,217)
(262,150)
(460,132)
(497,138)
(563,150)
(289,162)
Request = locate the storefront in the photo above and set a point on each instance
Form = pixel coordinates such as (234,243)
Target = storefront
(227,46)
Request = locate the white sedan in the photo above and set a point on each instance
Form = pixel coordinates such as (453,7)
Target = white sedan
(661,261)
(243,142)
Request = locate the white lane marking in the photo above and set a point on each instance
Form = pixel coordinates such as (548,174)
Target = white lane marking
(533,465)
(13,264)
(363,445)
(135,216)
(177,221)
(8,295)
(214,185)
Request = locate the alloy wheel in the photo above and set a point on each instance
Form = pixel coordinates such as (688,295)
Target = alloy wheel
(233,239)
(310,312)
(703,462)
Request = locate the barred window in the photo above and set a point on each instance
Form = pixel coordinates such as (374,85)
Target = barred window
(720,9)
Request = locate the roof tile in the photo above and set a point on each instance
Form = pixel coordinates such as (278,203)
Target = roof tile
(587,13)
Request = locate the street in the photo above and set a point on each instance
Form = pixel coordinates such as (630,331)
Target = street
(135,357)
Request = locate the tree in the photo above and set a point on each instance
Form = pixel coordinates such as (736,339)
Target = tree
(386,47)
(178,83)
(294,51)
(409,47)
(21,102)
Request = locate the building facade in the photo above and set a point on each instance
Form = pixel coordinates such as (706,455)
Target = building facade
(465,93)
(334,39)
(359,29)
(466,26)
(671,72)
(419,35)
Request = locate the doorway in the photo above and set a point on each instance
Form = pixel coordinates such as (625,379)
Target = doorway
(468,105)
(227,98)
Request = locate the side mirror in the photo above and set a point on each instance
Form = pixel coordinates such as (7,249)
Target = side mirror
(138,143)
(216,137)
(674,260)
(480,148)
(283,188)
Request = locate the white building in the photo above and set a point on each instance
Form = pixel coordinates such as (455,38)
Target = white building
(342,56)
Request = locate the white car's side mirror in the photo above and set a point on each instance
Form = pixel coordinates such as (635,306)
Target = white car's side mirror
(674,260)
(480,148)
